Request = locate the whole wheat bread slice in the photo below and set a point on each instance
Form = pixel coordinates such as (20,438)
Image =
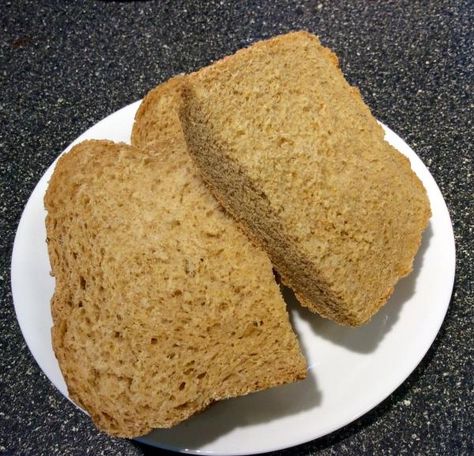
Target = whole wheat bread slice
(293,153)
(161,304)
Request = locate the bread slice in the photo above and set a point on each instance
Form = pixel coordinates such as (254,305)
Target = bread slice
(157,120)
(161,304)
(293,153)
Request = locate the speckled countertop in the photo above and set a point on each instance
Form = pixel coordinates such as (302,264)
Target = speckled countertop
(66,65)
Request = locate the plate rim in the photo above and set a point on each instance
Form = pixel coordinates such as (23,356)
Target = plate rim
(416,164)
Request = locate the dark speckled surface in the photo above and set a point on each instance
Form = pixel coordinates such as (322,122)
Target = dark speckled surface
(64,66)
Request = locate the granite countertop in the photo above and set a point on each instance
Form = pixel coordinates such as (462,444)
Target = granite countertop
(66,65)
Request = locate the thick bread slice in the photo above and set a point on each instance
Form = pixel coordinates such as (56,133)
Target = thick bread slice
(161,305)
(294,154)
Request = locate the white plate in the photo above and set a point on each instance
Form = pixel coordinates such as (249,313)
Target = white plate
(351,370)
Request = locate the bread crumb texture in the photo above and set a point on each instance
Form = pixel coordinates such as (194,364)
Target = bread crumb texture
(161,304)
(293,153)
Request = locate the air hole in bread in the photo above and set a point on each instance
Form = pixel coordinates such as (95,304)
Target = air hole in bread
(182,406)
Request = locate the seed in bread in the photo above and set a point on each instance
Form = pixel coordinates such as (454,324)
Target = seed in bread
(161,304)
(293,153)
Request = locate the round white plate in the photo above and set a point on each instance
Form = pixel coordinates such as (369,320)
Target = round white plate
(351,370)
